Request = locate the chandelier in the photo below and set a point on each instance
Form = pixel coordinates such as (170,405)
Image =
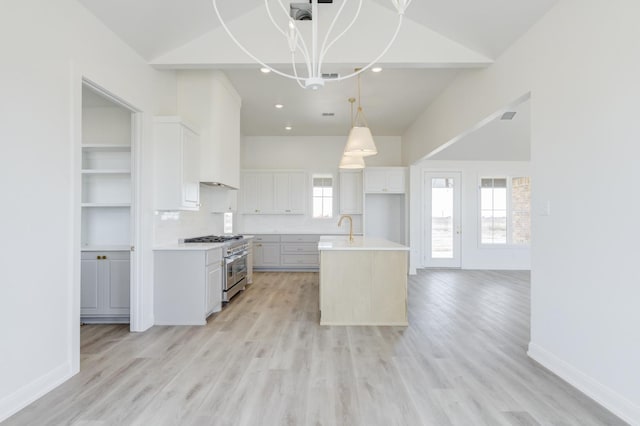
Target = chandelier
(312,52)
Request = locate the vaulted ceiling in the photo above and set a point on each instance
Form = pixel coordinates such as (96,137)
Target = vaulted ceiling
(437,39)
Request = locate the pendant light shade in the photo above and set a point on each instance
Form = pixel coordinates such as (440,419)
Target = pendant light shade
(352,162)
(360,143)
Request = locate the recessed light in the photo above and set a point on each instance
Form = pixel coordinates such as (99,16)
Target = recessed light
(265,70)
(279,106)
(288,128)
(376,69)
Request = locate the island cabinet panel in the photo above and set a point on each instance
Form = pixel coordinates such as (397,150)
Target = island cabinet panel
(363,287)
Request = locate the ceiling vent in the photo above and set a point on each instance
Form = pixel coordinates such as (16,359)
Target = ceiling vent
(508,115)
(328,114)
(302,11)
(330,75)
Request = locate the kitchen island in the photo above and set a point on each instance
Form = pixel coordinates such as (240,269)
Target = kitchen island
(362,282)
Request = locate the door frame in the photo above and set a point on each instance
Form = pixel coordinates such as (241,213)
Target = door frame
(136,297)
(426,260)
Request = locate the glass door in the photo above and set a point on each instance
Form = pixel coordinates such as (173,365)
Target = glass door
(442,220)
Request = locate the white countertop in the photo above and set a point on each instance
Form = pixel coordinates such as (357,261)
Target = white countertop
(299,233)
(195,246)
(359,243)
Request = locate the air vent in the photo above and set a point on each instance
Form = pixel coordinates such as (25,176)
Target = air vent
(508,115)
(330,75)
(328,114)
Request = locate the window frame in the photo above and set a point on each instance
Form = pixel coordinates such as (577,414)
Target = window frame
(509,244)
(333,195)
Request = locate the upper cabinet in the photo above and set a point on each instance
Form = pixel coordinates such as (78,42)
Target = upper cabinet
(208,100)
(273,192)
(177,165)
(385,180)
(350,192)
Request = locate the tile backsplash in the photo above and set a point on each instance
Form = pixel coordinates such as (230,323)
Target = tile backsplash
(171,226)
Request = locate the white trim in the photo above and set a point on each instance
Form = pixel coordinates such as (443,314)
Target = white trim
(27,394)
(608,398)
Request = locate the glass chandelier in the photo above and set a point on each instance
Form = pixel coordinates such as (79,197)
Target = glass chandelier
(312,51)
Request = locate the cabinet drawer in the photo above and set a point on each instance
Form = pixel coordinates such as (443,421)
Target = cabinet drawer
(267,238)
(214,255)
(300,260)
(299,248)
(300,238)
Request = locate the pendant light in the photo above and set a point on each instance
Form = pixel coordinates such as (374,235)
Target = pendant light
(351,161)
(360,141)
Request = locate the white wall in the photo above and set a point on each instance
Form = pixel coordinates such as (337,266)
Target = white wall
(314,154)
(474,256)
(46,49)
(581,64)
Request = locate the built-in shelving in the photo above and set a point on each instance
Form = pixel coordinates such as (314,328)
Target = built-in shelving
(106,147)
(96,205)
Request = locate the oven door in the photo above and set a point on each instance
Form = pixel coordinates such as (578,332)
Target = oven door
(236,270)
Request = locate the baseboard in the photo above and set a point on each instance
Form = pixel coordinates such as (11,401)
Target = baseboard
(24,396)
(611,400)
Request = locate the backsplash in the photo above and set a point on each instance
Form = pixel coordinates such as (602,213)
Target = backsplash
(171,226)
(292,224)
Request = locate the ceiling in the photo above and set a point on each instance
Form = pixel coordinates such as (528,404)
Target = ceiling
(391,100)
(498,140)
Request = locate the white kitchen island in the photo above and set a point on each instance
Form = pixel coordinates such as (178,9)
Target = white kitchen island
(363,282)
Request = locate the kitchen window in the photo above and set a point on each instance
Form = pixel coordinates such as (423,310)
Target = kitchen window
(322,196)
(505,211)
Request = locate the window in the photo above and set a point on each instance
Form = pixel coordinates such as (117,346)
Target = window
(322,196)
(505,210)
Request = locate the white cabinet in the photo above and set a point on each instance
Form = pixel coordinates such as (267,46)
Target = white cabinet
(105,284)
(213,293)
(177,165)
(351,192)
(207,99)
(188,286)
(385,180)
(286,252)
(266,251)
(281,192)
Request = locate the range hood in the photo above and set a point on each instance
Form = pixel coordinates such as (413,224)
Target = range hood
(218,185)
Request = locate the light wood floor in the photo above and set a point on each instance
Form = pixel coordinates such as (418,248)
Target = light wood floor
(264,360)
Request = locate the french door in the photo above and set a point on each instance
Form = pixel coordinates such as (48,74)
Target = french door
(442,232)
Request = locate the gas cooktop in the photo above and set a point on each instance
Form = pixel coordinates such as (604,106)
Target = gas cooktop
(213,239)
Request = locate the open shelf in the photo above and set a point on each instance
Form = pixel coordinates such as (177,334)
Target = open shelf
(106,205)
(97,147)
(106,172)
(106,248)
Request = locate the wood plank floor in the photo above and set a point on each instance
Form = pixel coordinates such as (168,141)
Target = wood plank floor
(264,360)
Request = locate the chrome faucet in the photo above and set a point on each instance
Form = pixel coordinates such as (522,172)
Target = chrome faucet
(350,226)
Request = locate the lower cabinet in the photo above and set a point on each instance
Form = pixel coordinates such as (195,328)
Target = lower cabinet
(188,286)
(286,252)
(105,287)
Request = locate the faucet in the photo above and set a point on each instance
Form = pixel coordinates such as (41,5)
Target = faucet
(350,226)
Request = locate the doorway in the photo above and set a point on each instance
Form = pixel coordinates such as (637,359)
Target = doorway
(108,229)
(442,210)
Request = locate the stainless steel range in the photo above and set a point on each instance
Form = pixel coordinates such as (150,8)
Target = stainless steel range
(236,251)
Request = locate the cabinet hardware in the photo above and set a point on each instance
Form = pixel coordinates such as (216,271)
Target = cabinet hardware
(133,248)
(98,257)
(288,211)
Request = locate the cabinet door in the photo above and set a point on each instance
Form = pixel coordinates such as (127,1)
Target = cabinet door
(258,255)
(250,190)
(281,193)
(297,193)
(89,288)
(271,254)
(118,284)
(395,181)
(265,193)
(374,180)
(351,193)
(190,169)
(213,291)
